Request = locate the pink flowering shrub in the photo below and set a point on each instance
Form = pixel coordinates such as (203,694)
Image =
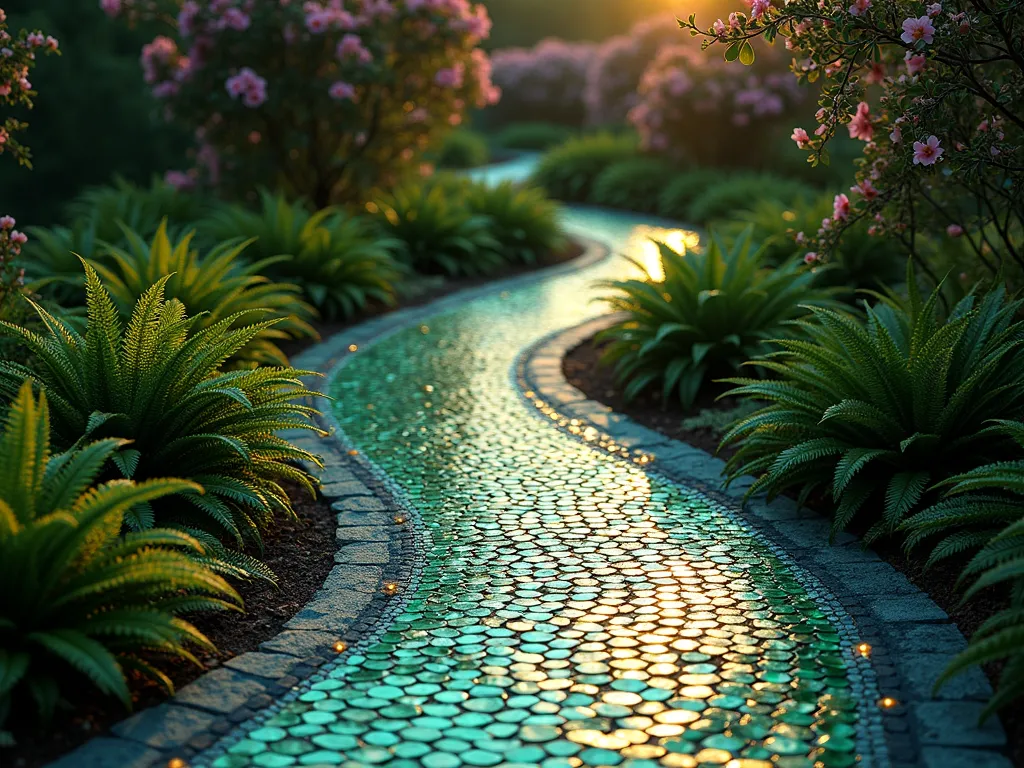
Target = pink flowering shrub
(936,93)
(12,276)
(323,99)
(618,65)
(542,84)
(17,57)
(696,106)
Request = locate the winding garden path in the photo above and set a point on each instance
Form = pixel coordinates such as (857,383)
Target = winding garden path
(563,599)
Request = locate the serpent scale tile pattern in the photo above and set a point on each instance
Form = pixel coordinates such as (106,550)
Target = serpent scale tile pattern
(572,607)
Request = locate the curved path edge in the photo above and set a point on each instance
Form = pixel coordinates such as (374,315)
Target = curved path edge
(911,638)
(351,607)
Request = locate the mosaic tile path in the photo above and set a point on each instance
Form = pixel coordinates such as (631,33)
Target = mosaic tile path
(571,606)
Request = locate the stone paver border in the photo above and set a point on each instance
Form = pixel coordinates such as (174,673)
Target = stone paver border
(373,551)
(911,638)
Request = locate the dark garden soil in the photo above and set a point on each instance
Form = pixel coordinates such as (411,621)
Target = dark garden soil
(583,370)
(300,552)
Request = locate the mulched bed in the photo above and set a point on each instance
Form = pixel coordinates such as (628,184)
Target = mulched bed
(309,540)
(583,370)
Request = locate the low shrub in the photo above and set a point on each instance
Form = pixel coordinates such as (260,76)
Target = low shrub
(859,261)
(340,261)
(568,171)
(545,82)
(435,231)
(678,195)
(713,311)
(463,149)
(875,413)
(52,265)
(736,193)
(105,209)
(982,515)
(79,601)
(534,137)
(523,220)
(158,382)
(212,287)
(634,184)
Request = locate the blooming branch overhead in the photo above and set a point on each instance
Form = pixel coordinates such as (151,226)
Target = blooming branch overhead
(326,99)
(17,57)
(936,93)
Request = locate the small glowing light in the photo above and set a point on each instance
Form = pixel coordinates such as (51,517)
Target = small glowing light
(529,395)
(340,647)
(176,762)
(424,329)
(353,347)
(399,519)
(887,702)
(353,452)
(864,650)
(390,588)
(428,388)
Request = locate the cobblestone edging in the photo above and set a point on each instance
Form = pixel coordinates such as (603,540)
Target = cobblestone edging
(912,639)
(374,549)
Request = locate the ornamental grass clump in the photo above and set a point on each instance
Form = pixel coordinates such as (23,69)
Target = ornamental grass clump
(159,382)
(713,310)
(339,260)
(79,601)
(874,413)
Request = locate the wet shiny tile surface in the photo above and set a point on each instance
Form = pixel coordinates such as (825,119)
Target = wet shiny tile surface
(572,609)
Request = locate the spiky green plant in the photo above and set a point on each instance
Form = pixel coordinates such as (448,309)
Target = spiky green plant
(523,220)
(569,171)
(159,382)
(982,515)
(436,232)
(339,260)
(124,204)
(714,309)
(874,413)
(77,599)
(213,286)
(52,265)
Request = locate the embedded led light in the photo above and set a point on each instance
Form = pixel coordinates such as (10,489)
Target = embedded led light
(864,650)
(340,647)
(353,347)
(390,588)
(399,519)
(887,702)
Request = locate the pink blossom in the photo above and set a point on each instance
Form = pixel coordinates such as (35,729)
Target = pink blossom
(18,238)
(187,17)
(759,8)
(915,62)
(719,28)
(859,7)
(841,207)
(954,230)
(7,222)
(896,136)
(250,86)
(450,77)
(351,47)
(180,180)
(917,29)
(927,152)
(800,137)
(860,126)
(236,19)
(36,39)
(810,257)
(111,7)
(340,90)
(934,9)
(866,189)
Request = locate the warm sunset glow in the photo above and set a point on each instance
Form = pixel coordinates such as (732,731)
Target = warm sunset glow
(643,246)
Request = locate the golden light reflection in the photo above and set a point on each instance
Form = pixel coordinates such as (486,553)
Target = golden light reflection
(643,247)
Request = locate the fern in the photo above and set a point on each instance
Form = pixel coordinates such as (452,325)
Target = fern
(77,599)
(713,310)
(159,382)
(905,396)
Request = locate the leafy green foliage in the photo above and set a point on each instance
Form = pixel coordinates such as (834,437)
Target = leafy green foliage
(569,171)
(212,287)
(52,265)
(463,149)
(340,261)
(158,382)
(859,261)
(435,230)
(713,311)
(874,413)
(78,599)
(736,193)
(677,195)
(717,421)
(983,515)
(107,209)
(532,137)
(523,220)
(634,184)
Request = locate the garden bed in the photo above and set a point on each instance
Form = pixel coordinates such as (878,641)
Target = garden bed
(583,370)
